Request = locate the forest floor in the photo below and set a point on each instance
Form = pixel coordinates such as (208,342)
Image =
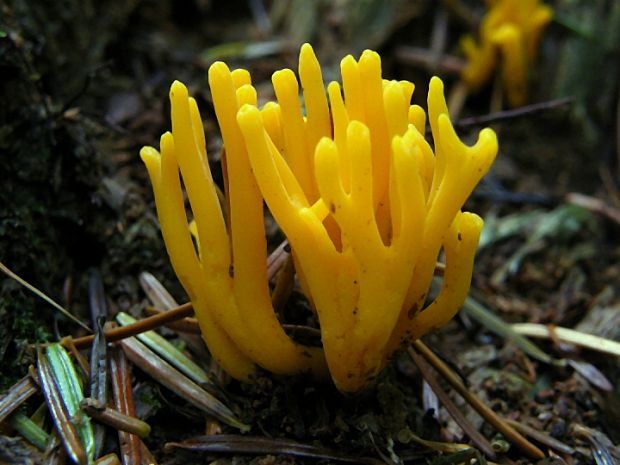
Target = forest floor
(85,86)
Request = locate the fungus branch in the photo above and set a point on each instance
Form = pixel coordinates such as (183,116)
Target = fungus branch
(366,205)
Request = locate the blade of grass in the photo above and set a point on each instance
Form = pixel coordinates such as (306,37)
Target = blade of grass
(29,430)
(234,444)
(80,360)
(167,351)
(71,393)
(16,395)
(187,327)
(489,415)
(62,420)
(589,341)
(98,366)
(99,379)
(123,402)
(40,414)
(96,297)
(43,296)
(178,383)
(242,49)
(495,324)
(156,292)
(541,437)
(592,374)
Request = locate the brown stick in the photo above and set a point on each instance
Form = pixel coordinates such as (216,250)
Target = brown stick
(525,110)
(114,418)
(484,410)
(145,324)
(188,325)
(123,402)
(477,438)
(594,205)
(16,395)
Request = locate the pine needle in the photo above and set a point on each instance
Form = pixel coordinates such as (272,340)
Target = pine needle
(43,296)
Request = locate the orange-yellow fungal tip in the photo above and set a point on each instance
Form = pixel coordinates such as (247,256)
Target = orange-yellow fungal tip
(363,199)
(286,80)
(352,87)
(178,89)
(246,94)
(307,58)
(317,111)
(408,89)
(396,109)
(248,114)
(436,84)
(220,68)
(370,60)
(509,34)
(417,117)
(326,168)
(241,77)
(149,154)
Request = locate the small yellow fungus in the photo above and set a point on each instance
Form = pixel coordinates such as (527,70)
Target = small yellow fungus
(365,202)
(509,33)
(225,274)
(394,204)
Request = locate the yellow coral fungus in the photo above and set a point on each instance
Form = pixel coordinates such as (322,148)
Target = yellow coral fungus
(396,204)
(510,32)
(226,279)
(363,199)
